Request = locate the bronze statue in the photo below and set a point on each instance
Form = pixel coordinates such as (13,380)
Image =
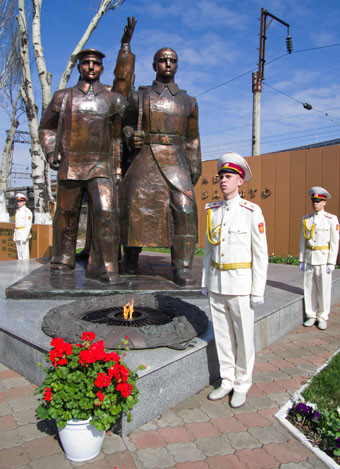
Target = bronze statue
(80,132)
(158,205)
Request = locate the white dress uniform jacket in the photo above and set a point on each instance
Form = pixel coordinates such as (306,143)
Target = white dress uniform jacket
(23,224)
(319,239)
(240,226)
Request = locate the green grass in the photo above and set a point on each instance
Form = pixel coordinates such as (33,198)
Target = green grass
(324,389)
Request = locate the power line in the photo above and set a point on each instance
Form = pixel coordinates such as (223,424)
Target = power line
(267,62)
(336,121)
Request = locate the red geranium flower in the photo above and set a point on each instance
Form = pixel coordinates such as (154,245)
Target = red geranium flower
(88,336)
(102,380)
(48,394)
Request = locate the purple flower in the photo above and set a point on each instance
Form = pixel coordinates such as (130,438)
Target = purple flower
(337,442)
(316,416)
(303,409)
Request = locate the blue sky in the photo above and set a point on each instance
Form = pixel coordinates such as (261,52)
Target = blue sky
(217,41)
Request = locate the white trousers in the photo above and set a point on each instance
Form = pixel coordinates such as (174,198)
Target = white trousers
(317,285)
(233,321)
(23,249)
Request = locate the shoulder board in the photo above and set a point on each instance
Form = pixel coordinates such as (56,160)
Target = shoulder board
(143,87)
(328,215)
(248,205)
(307,216)
(217,204)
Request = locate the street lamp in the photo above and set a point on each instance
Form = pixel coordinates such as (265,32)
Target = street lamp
(258,76)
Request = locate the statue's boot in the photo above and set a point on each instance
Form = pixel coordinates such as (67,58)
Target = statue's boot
(182,253)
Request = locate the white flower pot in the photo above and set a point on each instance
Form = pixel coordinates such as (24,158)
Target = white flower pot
(81,441)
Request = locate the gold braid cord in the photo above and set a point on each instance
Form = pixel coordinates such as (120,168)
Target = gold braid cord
(213,231)
(305,228)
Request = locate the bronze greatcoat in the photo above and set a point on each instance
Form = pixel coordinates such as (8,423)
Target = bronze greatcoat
(90,149)
(158,205)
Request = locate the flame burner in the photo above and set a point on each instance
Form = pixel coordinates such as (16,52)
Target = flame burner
(142,316)
(158,321)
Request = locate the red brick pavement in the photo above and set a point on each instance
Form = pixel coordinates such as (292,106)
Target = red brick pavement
(245,438)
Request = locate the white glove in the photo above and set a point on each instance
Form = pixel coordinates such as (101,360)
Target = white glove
(302,266)
(256,300)
(204,291)
(330,268)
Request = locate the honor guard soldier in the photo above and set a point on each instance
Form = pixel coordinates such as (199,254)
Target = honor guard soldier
(23,225)
(234,277)
(319,243)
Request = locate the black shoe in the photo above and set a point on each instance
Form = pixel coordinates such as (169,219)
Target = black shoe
(183,277)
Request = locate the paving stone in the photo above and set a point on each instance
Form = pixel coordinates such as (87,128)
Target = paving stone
(5,374)
(279,398)
(10,438)
(214,411)
(242,440)
(13,457)
(30,431)
(3,367)
(261,402)
(176,435)
(169,419)
(7,422)
(4,409)
(113,443)
(192,465)
(96,464)
(15,382)
(202,429)
(291,451)
(228,461)
(185,452)
(213,446)
(229,424)
(21,391)
(269,376)
(150,439)
(267,435)
(54,461)
(24,403)
(23,417)
(256,459)
(253,419)
(316,463)
(151,458)
(299,465)
(189,403)
(120,459)
(149,426)
(38,448)
(192,415)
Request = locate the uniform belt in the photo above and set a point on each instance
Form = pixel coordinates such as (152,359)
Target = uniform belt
(231,266)
(20,227)
(318,248)
(164,139)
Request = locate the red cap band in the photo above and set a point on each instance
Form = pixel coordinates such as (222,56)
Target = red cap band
(234,167)
(319,196)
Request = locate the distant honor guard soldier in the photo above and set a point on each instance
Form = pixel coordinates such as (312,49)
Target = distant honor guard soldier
(234,277)
(319,243)
(23,225)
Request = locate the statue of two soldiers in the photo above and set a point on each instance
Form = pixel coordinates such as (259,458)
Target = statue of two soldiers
(81,134)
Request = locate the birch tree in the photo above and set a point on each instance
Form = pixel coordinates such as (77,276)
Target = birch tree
(10,82)
(40,170)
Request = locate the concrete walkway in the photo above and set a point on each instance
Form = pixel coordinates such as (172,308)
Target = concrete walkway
(196,434)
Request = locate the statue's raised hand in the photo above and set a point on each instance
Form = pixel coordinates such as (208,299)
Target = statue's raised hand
(128,30)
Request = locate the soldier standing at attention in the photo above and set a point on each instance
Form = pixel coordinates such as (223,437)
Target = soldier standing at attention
(319,243)
(234,277)
(23,225)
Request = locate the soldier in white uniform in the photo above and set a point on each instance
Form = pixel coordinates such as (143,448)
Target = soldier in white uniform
(234,277)
(319,243)
(23,225)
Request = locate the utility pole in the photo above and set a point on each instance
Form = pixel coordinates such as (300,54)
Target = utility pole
(258,77)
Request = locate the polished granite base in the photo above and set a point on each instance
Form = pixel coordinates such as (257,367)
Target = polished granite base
(155,276)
